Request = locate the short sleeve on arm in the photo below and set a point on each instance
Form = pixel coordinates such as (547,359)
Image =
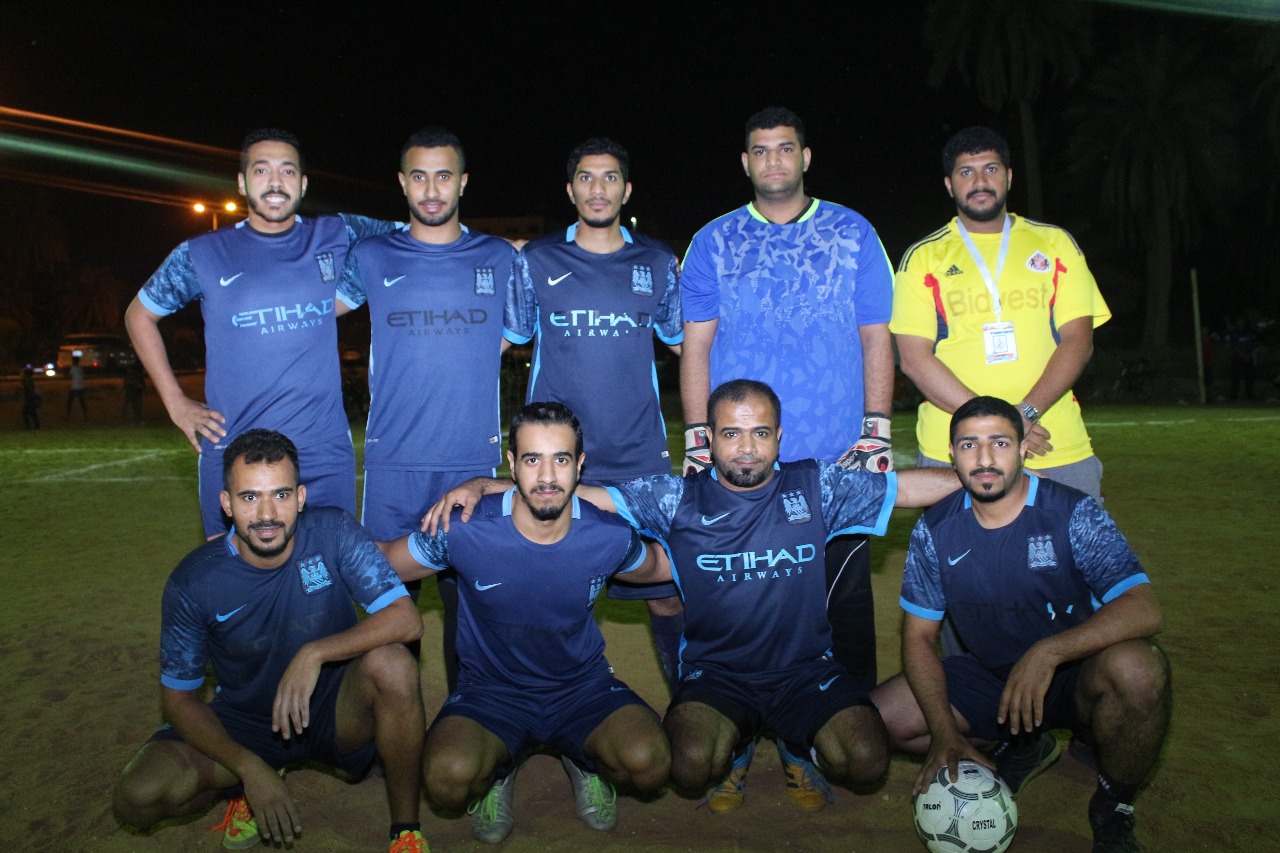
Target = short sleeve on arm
(173,285)
(1101,553)
(520,312)
(670,325)
(635,554)
(649,504)
(699,284)
(873,297)
(182,641)
(856,501)
(351,285)
(369,577)
(921,581)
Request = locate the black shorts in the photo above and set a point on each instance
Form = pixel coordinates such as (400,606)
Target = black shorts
(562,718)
(794,703)
(975,691)
(318,742)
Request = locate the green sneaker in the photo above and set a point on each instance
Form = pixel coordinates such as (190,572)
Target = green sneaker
(596,800)
(491,818)
(238,827)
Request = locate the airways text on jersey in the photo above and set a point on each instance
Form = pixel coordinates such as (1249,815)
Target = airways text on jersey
(758,565)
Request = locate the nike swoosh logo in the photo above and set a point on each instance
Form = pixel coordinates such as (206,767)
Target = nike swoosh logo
(951,561)
(707,522)
(552,282)
(223,617)
(225,281)
(387,282)
(824,685)
(483,587)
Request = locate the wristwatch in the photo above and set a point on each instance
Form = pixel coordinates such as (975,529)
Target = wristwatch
(1030,412)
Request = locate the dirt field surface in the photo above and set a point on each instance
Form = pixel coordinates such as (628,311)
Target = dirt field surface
(95,518)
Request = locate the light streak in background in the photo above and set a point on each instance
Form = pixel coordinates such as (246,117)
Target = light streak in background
(81,156)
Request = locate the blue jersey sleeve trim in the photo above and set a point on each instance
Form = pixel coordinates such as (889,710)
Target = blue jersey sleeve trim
(1124,586)
(347,302)
(620,504)
(397,591)
(418,553)
(516,337)
(922,612)
(148,303)
(181,683)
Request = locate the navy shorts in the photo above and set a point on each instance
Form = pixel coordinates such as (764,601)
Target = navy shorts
(562,718)
(328,471)
(318,742)
(794,703)
(395,501)
(975,691)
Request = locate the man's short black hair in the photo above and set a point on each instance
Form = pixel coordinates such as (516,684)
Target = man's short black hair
(546,414)
(269,134)
(258,446)
(739,390)
(600,145)
(771,117)
(983,407)
(433,136)
(973,140)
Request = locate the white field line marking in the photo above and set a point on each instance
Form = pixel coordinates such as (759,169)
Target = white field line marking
(1091,424)
(76,473)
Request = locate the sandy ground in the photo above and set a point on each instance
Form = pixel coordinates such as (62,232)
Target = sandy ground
(78,681)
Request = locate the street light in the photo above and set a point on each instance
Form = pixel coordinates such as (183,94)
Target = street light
(200,207)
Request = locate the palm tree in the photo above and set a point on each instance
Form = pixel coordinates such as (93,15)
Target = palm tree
(1004,50)
(1152,148)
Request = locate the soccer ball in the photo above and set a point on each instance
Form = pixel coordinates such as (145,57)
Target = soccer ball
(974,814)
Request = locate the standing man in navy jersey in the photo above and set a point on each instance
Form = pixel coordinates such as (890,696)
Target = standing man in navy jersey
(601,294)
(797,292)
(440,297)
(267,290)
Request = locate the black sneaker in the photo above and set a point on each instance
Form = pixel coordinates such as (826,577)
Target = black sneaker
(1112,824)
(1023,761)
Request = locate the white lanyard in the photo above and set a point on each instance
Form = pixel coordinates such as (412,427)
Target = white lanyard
(982,265)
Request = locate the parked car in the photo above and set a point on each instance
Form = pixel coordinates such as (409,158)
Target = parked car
(105,353)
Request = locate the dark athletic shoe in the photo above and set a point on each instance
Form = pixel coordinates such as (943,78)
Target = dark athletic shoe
(1023,761)
(1112,826)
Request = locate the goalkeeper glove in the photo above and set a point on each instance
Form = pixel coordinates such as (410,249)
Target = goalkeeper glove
(873,451)
(697,448)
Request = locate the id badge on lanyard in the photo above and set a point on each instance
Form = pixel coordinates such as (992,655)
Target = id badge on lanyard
(998,340)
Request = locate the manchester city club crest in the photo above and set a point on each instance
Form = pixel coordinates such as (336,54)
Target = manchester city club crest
(327,273)
(597,584)
(1038,262)
(642,279)
(796,507)
(314,574)
(1040,554)
(484,281)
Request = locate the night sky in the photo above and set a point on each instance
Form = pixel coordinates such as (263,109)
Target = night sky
(520,83)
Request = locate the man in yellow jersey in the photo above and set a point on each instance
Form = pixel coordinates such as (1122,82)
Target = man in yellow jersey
(998,304)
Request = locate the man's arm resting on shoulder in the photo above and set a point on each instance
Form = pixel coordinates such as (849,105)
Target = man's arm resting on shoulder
(193,418)
(266,792)
(656,568)
(398,622)
(921,487)
(1135,614)
(923,669)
